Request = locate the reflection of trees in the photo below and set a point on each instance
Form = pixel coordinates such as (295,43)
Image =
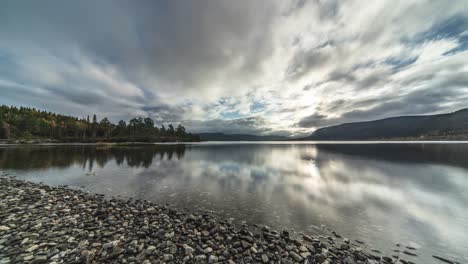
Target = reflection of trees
(38,157)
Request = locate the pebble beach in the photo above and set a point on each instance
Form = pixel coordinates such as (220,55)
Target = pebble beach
(44,224)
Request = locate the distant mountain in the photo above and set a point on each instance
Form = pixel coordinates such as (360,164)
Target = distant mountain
(453,126)
(237,137)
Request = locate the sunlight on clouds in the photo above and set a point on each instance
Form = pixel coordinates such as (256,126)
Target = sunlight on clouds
(432,51)
(220,65)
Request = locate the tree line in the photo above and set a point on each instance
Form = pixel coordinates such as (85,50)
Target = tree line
(30,123)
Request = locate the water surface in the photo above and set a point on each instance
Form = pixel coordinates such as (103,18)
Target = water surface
(413,194)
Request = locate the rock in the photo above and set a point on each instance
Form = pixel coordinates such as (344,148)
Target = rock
(70,226)
(443,259)
(349,260)
(39,260)
(409,253)
(111,244)
(212,259)
(245,244)
(253,250)
(319,258)
(295,256)
(150,249)
(304,254)
(307,238)
(32,248)
(284,233)
(188,250)
(86,256)
(173,249)
(345,246)
(302,249)
(168,257)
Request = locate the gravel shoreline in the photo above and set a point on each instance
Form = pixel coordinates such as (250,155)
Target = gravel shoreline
(43,224)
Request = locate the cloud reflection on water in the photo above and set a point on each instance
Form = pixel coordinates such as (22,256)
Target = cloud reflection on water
(365,192)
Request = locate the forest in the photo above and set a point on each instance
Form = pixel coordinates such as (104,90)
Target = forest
(23,123)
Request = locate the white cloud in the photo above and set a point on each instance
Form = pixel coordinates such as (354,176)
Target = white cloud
(212,62)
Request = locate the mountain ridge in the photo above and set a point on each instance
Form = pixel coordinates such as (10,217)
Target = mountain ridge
(448,126)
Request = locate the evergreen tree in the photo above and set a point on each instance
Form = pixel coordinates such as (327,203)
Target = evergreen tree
(2,130)
(170,130)
(94,127)
(105,127)
(180,131)
(30,123)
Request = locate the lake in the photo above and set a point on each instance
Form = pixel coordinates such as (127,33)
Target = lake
(383,194)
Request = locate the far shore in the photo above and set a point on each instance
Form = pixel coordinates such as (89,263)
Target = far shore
(130,143)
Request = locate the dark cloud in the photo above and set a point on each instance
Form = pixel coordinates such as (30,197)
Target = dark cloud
(189,42)
(182,45)
(429,100)
(372,80)
(455,80)
(165,113)
(315,120)
(89,98)
(306,61)
(250,125)
(341,76)
(328,9)
(420,78)
(347,77)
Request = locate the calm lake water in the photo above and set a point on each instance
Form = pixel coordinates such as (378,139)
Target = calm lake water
(383,194)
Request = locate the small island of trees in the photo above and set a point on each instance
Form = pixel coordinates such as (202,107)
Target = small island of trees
(23,123)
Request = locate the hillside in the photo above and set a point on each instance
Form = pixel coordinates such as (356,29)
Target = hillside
(452,126)
(237,137)
(29,124)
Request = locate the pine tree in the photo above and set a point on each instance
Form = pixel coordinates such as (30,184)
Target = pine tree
(94,126)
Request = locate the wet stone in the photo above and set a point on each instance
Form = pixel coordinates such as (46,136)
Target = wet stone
(295,256)
(72,226)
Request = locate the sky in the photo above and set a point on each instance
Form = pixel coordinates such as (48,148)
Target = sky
(283,67)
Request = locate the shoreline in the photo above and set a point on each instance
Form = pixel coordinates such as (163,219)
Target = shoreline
(293,142)
(44,224)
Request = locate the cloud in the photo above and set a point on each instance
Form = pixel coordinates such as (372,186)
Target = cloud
(418,102)
(251,125)
(306,61)
(246,66)
(315,120)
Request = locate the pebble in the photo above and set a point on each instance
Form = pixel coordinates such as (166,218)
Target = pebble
(443,259)
(295,256)
(43,224)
